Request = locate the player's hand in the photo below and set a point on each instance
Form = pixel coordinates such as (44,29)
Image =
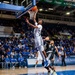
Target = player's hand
(36,11)
(27,20)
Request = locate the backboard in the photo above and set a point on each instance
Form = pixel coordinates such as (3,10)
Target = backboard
(20,7)
(28,4)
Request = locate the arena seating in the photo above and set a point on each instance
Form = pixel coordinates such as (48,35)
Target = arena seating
(14,51)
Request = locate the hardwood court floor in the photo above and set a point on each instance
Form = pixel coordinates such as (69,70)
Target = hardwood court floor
(33,70)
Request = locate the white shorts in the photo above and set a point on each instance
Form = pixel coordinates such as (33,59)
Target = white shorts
(38,41)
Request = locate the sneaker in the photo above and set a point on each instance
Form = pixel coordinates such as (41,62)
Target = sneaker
(25,66)
(46,64)
(13,67)
(54,73)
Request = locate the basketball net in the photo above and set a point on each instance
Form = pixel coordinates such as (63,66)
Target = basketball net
(31,13)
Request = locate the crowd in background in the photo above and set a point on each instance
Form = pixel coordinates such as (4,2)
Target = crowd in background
(66,41)
(16,50)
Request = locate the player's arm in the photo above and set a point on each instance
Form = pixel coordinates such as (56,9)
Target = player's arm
(31,24)
(35,16)
(29,11)
(57,51)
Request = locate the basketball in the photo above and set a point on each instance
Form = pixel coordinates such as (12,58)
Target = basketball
(34,8)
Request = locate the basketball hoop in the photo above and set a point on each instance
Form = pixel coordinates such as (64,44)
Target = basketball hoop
(32,12)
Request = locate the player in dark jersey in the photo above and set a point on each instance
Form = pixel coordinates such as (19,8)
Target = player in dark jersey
(51,50)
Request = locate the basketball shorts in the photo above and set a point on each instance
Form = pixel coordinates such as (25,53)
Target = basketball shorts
(39,43)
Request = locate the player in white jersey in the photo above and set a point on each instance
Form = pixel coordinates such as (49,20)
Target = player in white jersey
(37,36)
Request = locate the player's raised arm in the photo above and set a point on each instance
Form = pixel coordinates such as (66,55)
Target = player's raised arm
(31,24)
(34,17)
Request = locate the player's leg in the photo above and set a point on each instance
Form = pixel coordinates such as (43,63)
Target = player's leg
(49,57)
(52,62)
(44,53)
(45,62)
(39,58)
(36,59)
(38,51)
(41,49)
(47,69)
(52,67)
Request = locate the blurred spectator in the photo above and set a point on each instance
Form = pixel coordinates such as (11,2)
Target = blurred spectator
(21,61)
(12,53)
(13,61)
(2,60)
(7,62)
(1,49)
(20,45)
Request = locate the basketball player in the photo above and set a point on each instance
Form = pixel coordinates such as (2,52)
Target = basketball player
(51,51)
(37,36)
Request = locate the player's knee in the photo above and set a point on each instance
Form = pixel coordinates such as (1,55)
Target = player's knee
(42,48)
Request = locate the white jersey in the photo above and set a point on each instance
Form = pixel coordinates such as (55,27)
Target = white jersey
(37,31)
(37,36)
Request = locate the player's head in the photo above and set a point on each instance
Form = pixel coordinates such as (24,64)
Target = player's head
(52,42)
(40,21)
